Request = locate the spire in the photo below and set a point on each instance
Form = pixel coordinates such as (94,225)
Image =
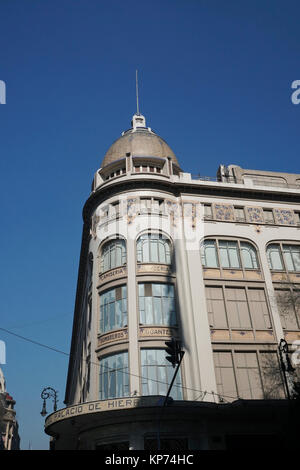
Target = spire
(138,119)
(137,93)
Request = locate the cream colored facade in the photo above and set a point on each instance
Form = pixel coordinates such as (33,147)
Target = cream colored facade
(198,254)
(9,435)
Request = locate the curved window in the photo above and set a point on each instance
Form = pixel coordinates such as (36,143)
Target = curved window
(157,304)
(157,374)
(249,255)
(114,376)
(274,257)
(153,248)
(284,257)
(113,309)
(228,254)
(113,254)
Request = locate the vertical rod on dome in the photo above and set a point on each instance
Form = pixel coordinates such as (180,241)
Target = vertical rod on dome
(137,93)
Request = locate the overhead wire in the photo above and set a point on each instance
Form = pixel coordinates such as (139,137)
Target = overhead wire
(202,392)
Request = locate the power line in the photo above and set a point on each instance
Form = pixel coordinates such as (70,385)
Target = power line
(34,342)
(203,393)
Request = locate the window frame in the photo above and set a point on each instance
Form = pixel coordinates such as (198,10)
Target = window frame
(107,245)
(280,244)
(107,314)
(155,382)
(172,314)
(239,253)
(226,304)
(124,371)
(162,239)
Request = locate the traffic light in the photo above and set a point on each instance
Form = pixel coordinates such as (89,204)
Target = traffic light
(174,350)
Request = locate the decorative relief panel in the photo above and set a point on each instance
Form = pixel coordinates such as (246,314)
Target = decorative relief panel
(173,210)
(132,208)
(284,217)
(94,222)
(223,212)
(190,210)
(255,215)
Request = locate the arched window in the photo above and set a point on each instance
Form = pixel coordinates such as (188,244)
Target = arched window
(284,257)
(153,248)
(274,257)
(228,254)
(249,256)
(113,254)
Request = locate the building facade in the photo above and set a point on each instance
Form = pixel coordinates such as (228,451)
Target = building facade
(214,263)
(9,429)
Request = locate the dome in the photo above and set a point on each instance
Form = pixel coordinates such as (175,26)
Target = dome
(139,141)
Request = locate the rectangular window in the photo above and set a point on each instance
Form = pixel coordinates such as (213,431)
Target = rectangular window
(207,211)
(259,309)
(209,254)
(268,216)
(288,303)
(239,214)
(157,304)
(237,308)
(157,374)
(113,309)
(248,376)
(225,378)
(158,205)
(271,374)
(145,205)
(229,254)
(216,307)
(114,376)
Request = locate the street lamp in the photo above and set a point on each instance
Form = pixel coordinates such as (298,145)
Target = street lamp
(286,365)
(47,393)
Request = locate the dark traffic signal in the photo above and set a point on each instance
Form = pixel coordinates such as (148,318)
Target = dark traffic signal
(174,351)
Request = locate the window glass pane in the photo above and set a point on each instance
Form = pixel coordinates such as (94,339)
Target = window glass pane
(225,378)
(274,258)
(296,257)
(288,260)
(259,309)
(292,257)
(113,309)
(248,376)
(153,248)
(224,254)
(158,317)
(233,254)
(249,256)
(157,374)
(113,254)
(114,377)
(157,304)
(209,254)
(154,251)
(216,307)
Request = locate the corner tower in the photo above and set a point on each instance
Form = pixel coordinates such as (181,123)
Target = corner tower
(166,255)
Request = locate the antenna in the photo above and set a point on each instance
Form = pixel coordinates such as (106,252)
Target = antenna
(137,93)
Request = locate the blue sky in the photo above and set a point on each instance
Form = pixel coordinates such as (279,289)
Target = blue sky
(215,83)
